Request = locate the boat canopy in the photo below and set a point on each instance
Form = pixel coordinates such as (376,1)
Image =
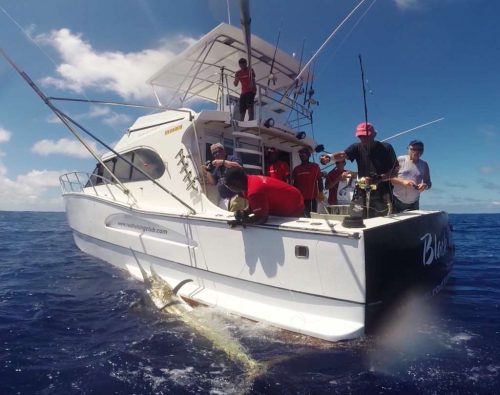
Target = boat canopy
(197,71)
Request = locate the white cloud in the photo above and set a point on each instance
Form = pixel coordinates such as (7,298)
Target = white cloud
(40,179)
(34,191)
(4,135)
(108,116)
(408,4)
(115,119)
(82,67)
(64,146)
(489,169)
(52,118)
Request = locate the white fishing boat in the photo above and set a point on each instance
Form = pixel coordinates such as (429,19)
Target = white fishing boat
(147,202)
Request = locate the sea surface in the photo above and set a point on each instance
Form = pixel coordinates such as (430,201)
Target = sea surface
(72,324)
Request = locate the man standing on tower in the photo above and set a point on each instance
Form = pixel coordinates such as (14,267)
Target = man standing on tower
(248,89)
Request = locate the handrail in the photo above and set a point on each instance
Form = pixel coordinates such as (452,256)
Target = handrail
(72,182)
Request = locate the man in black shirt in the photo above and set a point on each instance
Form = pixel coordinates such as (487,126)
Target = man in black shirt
(377,164)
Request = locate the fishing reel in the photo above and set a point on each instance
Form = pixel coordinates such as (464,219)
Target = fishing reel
(239,219)
(209,166)
(364,185)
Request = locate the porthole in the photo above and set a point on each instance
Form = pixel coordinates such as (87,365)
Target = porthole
(302,252)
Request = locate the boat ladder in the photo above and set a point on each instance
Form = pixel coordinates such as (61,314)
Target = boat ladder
(248,145)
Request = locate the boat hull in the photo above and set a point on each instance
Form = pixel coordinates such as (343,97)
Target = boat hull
(411,256)
(261,272)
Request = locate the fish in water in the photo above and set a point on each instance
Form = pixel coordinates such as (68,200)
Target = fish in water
(166,299)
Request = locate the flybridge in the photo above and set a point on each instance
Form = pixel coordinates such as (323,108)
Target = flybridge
(206,70)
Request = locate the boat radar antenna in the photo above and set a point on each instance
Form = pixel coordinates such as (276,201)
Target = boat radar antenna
(364,87)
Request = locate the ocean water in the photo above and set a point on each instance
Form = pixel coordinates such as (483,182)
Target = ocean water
(72,324)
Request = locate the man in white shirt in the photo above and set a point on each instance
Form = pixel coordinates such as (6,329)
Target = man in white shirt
(413,178)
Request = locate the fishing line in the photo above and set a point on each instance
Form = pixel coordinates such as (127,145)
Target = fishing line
(348,34)
(34,42)
(329,38)
(412,129)
(28,36)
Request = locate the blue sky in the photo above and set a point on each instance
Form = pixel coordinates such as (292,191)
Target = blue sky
(423,59)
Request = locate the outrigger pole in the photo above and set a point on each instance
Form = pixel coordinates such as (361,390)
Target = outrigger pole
(245,24)
(67,121)
(328,39)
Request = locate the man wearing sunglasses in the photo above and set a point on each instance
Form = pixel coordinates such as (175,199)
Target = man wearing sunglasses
(413,178)
(214,172)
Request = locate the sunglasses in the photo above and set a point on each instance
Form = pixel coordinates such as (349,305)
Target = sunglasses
(416,149)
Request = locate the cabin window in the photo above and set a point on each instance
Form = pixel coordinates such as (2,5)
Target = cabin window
(149,162)
(121,168)
(145,159)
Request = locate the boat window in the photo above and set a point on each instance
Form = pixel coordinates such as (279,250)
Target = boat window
(110,164)
(148,161)
(145,159)
(122,169)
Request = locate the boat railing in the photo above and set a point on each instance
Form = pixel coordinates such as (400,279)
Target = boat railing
(92,184)
(271,102)
(282,105)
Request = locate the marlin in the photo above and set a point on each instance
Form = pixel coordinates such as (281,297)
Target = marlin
(165,298)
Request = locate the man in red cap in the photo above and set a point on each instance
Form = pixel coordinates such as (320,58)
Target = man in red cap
(377,164)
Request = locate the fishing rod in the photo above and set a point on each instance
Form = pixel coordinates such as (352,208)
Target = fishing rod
(395,135)
(310,92)
(271,77)
(364,88)
(298,88)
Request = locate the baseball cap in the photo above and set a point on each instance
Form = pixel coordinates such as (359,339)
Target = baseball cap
(365,129)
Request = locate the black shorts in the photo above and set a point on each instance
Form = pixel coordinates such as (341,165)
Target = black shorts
(246,101)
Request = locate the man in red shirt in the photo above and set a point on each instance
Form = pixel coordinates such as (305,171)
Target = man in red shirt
(266,196)
(277,168)
(248,89)
(307,178)
(332,181)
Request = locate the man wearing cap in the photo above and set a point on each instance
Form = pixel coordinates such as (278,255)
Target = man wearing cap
(214,172)
(307,179)
(377,164)
(248,89)
(413,178)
